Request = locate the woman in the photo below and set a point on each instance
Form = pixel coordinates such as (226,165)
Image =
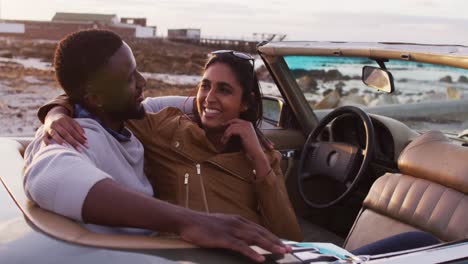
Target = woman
(213,161)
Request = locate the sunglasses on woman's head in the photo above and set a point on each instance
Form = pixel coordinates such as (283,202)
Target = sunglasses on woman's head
(239,55)
(235,53)
(243,56)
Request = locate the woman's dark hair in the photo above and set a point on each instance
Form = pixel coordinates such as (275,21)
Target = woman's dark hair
(79,55)
(243,70)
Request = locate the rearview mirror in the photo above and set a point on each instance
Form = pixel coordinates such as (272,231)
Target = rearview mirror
(378,78)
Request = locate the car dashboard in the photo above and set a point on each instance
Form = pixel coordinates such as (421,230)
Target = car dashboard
(349,129)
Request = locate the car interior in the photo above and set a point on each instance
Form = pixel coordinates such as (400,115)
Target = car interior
(358,179)
(419,192)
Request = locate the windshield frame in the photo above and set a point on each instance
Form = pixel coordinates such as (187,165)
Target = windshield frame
(273,54)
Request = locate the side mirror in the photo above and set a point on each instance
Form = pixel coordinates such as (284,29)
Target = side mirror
(378,78)
(272,108)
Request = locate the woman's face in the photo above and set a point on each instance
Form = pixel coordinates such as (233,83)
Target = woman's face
(219,97)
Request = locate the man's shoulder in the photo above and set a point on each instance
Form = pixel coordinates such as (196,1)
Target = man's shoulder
(93,129)
(89,124)
(100,141)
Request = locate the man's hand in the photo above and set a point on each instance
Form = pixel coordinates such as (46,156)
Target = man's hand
(60,127)
(109,203)
(231,232)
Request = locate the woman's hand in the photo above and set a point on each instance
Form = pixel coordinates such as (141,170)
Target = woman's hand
(250,143)
(60,127)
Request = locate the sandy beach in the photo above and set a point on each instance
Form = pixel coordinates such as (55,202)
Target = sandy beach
(27,78)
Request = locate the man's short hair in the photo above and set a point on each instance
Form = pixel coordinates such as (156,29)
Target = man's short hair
(80,55)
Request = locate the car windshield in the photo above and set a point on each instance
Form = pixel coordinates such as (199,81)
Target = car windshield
(426,96)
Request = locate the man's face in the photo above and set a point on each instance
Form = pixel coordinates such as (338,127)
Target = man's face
(120,85)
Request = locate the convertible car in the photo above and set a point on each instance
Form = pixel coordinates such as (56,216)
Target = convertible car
(373,141)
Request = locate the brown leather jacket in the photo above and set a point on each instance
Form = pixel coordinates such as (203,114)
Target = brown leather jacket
(186,169)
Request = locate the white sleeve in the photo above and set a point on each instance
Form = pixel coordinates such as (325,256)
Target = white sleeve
(58,179)
(156,104)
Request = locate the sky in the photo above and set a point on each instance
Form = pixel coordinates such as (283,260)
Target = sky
(427,21)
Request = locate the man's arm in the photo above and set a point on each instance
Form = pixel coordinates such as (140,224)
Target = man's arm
(108,203)
(155,104)
(151,104)
(64,181)
(60,126)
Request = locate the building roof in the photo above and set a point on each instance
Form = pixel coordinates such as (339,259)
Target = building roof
(84,17)
(183,29)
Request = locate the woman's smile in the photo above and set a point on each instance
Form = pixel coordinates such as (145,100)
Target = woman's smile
(219,97)
(211,112)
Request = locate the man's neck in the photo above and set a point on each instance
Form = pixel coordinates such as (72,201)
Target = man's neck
(109,122)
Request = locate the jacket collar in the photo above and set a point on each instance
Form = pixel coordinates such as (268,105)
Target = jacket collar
(201,149)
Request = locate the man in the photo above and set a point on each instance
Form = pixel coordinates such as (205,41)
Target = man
(104,185)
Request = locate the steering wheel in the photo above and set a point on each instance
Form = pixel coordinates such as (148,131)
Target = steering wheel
(335,160)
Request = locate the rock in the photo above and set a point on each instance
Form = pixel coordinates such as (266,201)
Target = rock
(339,91)
(330,101)
(352,99)
(368,98)
(326,76)
(354,90)
(462,79)
(298,73)
(447,79)
(332,75)
(326,92)
(384,99)
(307,83)
(453,93)
(340,85)
(263,74)
(6,54)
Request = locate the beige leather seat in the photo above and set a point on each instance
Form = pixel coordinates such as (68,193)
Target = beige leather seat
(429,194)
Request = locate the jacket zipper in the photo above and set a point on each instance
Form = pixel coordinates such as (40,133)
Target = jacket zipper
(202,187)
(230,171)
(186,179)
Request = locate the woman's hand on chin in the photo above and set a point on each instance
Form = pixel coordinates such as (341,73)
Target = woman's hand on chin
(250,143)
(246,132)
